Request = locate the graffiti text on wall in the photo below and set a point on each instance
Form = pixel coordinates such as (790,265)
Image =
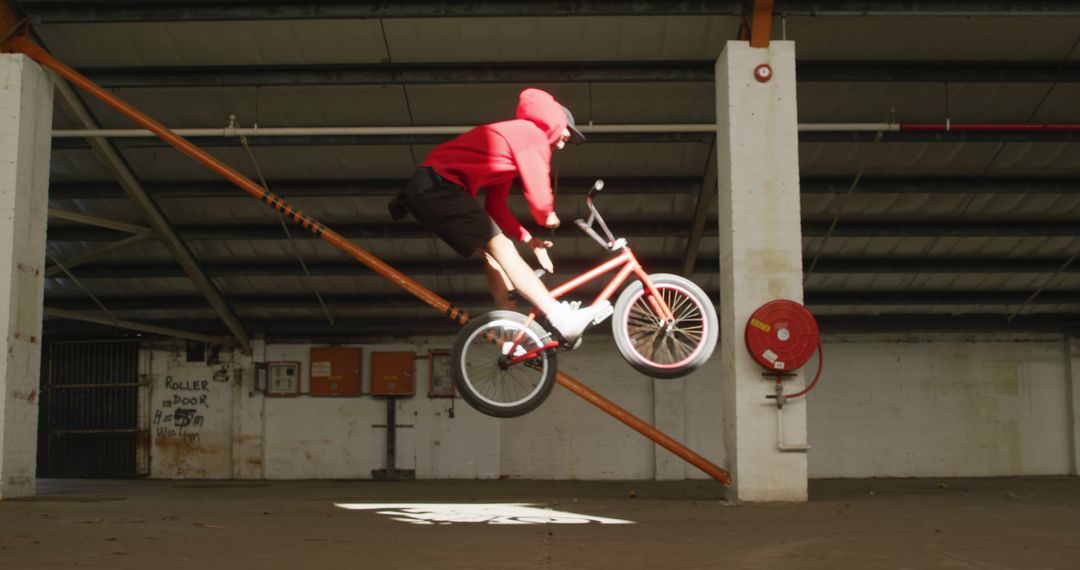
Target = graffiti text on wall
(180,416)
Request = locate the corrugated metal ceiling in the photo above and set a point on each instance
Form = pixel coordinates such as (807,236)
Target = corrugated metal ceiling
(591,39)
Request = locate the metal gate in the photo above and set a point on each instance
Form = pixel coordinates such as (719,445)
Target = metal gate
(93,420)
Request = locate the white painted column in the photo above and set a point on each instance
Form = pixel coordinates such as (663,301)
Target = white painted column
(248,414)
(26,94)
(1072,400)
(669,416)
(760,259)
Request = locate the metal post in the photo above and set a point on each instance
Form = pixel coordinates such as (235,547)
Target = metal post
(391,438)
(24,45)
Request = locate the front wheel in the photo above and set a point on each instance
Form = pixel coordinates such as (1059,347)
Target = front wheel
(659,348)
(481,372)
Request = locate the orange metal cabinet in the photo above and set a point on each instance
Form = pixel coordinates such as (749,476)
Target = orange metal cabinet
(392,373)
(335,371)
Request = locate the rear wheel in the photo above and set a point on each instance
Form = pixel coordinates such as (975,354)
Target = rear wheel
(484,378)
(659,348)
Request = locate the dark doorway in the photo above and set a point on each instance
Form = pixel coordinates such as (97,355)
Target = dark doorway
(92,422)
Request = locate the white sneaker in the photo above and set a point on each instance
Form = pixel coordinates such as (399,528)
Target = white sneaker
(518,350)
(571,321)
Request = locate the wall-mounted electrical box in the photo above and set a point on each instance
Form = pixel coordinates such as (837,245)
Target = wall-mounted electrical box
(441,384)
(335,371)
(282,378)
(392,373)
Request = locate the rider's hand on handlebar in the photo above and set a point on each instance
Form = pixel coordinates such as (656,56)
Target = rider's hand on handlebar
(539,247)
(552,221)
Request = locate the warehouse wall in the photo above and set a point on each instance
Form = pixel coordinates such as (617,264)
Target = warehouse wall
(228,429)
(569,438)
(944,405)
(887,405)
(190,414)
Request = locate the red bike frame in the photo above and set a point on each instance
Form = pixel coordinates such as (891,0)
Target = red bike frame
(629,264)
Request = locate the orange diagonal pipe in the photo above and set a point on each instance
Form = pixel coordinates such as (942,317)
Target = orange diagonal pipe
(762,24)
(644,428)
(23,44)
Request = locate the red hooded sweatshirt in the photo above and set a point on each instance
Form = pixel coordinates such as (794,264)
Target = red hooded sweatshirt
(491,156)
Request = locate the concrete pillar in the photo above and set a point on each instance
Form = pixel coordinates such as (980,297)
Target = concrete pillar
(26,94)
(760,259)
(669,416)
(248,413)
(1072,401)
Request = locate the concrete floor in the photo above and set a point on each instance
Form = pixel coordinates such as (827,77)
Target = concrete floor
(899,523)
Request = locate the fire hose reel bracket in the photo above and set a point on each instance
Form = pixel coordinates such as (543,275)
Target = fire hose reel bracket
(782,335)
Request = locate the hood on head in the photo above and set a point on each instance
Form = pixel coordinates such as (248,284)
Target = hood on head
(544,111)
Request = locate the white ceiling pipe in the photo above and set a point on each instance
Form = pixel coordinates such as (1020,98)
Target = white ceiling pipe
(437,130)
(834,127)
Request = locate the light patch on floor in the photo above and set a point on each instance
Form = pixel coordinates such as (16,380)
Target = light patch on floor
(489,513)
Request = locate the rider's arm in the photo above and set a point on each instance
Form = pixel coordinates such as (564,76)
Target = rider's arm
(496,207)
(532,156)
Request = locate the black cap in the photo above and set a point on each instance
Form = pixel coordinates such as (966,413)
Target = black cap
(575,135)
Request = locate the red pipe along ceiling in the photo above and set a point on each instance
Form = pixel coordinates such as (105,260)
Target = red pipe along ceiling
(1019,127)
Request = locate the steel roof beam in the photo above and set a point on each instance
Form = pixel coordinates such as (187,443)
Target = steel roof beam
(627,228)
(314,329)
(399,301)
(60,144)
(574,72)
(353,188)
(940,136)
(401,73)
(95,190)
(706,198)
(835,265)
(95,253)
(67,12)
(53,12)
(118,168)
(939,185)
(142,327)
(350,140)
(81,218)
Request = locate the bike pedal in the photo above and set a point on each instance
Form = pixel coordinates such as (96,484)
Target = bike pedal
(563,344)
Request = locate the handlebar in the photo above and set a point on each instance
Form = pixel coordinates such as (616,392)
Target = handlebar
(610,244)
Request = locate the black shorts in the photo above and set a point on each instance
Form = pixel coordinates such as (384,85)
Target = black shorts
(450,212)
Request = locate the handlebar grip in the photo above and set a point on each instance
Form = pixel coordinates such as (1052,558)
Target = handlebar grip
(596,187)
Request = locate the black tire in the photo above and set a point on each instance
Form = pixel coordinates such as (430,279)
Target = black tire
(651,349)
(502,392)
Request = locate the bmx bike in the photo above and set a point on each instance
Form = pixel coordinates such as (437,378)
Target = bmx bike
(504,363)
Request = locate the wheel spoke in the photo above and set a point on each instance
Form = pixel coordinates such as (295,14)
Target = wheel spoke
(658,341)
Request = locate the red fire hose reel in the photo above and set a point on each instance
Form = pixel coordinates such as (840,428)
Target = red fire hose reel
(782,335)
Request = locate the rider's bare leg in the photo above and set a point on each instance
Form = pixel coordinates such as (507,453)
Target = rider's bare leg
(519,273)
(499,284)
